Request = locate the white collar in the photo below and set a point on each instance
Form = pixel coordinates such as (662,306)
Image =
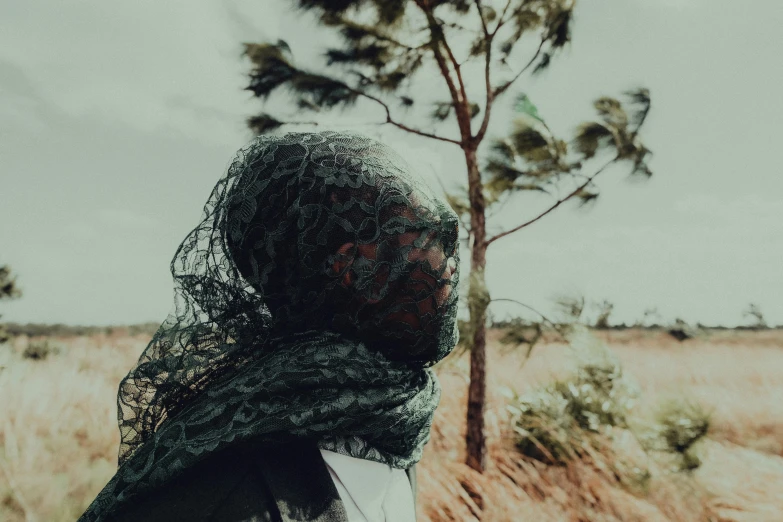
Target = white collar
(378,491)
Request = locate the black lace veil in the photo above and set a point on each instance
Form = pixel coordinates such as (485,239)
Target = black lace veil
(311,300)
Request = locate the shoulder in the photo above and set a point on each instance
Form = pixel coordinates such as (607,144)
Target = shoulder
(248,481)
(225,486)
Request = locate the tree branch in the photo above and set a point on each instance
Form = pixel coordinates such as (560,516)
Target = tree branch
(501,22)
(386,108)
(490,95)
(501,89)
(561,331)
(400,125)
(553,207)
(463,117)
(481,17)
(375,32)
(398,43)
(455,25)
(554,325)
(300,123)
(456,69)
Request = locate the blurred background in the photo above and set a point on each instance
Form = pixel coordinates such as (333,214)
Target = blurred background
(117,119)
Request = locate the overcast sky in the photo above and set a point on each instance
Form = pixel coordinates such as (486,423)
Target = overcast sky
(117,118)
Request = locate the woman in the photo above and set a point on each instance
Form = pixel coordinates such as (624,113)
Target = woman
(293,380)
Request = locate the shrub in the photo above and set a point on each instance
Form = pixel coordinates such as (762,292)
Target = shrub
(681,424)
(682,331)
(546,431)
(554,422)
(39,350)
(560,421)
(596,396)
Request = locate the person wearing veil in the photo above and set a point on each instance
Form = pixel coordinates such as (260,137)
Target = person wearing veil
(293,378)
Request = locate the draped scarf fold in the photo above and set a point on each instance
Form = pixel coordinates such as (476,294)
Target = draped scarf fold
(355,401)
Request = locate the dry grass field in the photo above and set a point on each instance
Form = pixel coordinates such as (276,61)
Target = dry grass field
(58,434)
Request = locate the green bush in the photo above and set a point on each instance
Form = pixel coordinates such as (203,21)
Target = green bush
(562,420)
(681,424)
(554,422)
(545,430)
(597,396)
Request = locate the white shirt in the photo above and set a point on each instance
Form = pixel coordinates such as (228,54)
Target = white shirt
(371,491)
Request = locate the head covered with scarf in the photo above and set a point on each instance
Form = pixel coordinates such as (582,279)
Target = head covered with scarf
(311,301)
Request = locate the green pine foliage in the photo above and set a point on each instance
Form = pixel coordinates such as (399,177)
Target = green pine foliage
(385,43)
(533,159)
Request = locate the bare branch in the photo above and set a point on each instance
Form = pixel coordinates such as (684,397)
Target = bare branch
(400,125)
(441,36)
(433,43)
(300,123)
(501,89)
(463,117)
(455,25)
(422,133)
(502,22)
(553,207)
(481,17)
(488,86)
(554,325)
(456,65)
(391,40)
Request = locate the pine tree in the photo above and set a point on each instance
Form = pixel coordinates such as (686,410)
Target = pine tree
(402,37)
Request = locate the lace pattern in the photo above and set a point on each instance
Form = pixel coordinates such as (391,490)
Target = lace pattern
(312,300)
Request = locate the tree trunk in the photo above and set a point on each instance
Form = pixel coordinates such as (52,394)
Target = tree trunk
(478,300)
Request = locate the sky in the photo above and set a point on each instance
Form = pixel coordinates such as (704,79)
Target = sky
(117,119)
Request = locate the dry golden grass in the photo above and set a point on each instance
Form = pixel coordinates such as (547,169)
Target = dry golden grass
(59,438)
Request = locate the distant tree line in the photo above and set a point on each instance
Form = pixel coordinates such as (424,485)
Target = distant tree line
(573,309)
(623,326)
(52,330)
(42,329)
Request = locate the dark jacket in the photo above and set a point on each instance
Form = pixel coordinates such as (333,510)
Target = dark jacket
(250,483)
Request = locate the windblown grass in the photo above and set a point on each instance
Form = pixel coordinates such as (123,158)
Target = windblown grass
(59,440)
